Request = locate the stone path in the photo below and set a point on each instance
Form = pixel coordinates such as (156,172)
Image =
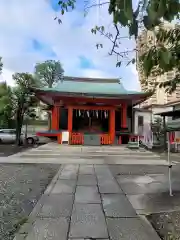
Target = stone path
(62,154)
(85,202)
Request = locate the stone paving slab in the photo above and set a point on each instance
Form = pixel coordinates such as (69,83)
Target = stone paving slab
(102,170)
(106,182)
(20,237)
(133,188)
(151,188)
(87,194)
(147,184)
(130,228)
(136,170)
(64,186)
(57,205)
(109,186)
(117,205)
(152,203)
(103,173)
(69,171)
(86,169)
(87,180)
(44,229)
(88,222)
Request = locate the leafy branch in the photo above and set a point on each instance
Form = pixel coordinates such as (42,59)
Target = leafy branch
(115,43)
(148,15)
(164,56)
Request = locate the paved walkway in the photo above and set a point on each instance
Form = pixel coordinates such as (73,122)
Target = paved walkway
(85,202)
(62,154)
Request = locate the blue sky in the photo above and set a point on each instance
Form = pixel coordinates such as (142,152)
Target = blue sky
(29,35)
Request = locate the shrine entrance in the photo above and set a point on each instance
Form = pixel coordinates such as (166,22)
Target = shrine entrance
(92,121)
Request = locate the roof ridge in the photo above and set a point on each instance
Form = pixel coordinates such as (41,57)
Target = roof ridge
(87,79)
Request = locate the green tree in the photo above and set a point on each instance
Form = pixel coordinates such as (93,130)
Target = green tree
(6,110)
(157,128)
(146,16)
(23,99)
(49,73)
(163,57)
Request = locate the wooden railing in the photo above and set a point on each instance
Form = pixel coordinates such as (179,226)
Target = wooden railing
(105,139)
(76,138)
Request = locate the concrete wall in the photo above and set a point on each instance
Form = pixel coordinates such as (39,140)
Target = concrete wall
(146,116)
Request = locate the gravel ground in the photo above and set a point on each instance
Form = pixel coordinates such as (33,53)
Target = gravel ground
(167,225)
(10,149)
(21,186)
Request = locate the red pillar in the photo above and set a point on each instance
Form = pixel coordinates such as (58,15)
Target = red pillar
(70,119)
(55,118)
(124,116)
(112,125)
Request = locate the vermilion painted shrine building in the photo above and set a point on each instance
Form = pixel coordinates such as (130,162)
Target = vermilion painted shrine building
(90,111)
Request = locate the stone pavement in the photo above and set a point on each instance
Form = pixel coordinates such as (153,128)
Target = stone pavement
(62,154)
(85,202)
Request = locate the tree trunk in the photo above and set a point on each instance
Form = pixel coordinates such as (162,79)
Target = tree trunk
(25,135)
(18,127)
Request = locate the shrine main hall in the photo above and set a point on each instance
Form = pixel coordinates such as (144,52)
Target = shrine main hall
(90,111)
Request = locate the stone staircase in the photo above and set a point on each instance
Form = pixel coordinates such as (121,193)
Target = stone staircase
(55,153)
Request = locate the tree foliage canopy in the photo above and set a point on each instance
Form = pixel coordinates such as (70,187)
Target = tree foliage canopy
(5,105)
(164,56)
(49,72)
(23,99)
(147,15)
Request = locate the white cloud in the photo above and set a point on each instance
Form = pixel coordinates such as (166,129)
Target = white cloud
(135,84)
(6,76)
(21,21)
(93,73)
